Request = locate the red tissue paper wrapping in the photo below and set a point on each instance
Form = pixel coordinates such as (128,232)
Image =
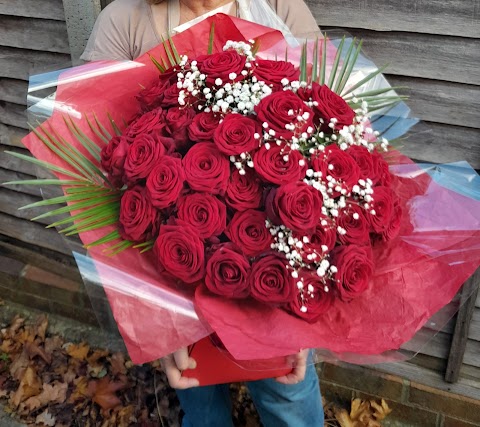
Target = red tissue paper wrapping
(416,274)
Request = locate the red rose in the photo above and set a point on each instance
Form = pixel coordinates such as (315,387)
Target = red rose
(273,72)
(381,172)
(227,273)
(204,212)
(203,126)
(284,108)
(139,220)
(270,280)
(354,221)
(206,169)
(329,105)
(383,206)
(177,120)
(270,164)
(244,191)
(142,156)
(305,93)
(355,267)
(165,182)
(146,123)
(180,252)
(298,206)
(220,65)
(364,159)
(152,97)
(312,300)
(393,227)
(320,242)
(339,165)
(236,134)
(248,231)
(113,159)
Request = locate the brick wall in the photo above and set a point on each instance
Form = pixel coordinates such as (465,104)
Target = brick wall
(413,404)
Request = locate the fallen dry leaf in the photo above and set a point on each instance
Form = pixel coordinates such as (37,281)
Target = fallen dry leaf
(46,419)
(104,392)
(117,363)
(51,393)
(35,350)
(381,411)
(30,385)
(78,351)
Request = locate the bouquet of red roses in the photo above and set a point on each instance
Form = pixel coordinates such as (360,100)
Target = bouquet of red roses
(249,197)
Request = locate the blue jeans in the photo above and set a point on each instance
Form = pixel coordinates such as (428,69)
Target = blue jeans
(279,405)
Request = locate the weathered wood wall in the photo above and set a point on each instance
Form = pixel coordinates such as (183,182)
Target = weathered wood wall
(433,48)
(33,39)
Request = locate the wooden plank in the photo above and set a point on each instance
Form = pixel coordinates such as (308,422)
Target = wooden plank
(32,233)
(429,378)
(35,34)
(21,63)
(11,135)
(453,59)
(12,90)
(474,333)
(448,17)
(9,162)
(441,143)
(441,102)
(7,175)
(11,202)
(460,335)
(13,114)
(45,9)
(60,264)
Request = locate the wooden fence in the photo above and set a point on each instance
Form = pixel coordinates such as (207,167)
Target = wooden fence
(433,48)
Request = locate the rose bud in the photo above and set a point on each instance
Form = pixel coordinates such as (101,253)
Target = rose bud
(284,108)
(113,159)
(180,251)
(329,105)
(248,231)
(299,206)
(206,169)
(146,123)
(244,191)
(270,280)
(221,65)
(314,298)
(203,126)
(393,227)
(227,273)
(142,156)
(236,134)
(320,241)
(279,165)
(354,269)
(139,220)
(381,209)
(204,212)
(339,165)
(353,220)
(165,182)
(273,72)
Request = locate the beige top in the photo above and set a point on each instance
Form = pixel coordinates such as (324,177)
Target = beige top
(127,29)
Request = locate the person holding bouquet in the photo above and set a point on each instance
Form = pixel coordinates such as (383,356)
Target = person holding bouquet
(126,29)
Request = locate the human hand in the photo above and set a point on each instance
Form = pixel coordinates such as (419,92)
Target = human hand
(174,364)
(299,362)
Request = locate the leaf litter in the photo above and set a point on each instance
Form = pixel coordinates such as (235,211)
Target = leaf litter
(46,381)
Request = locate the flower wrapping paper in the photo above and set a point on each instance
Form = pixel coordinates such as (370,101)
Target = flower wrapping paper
(416,274)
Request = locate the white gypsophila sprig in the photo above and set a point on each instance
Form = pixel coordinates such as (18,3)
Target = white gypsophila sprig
(293,248)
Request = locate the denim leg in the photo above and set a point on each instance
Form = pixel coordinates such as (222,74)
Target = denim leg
(297,405)
(207,406)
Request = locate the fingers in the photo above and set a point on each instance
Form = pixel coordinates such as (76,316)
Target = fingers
(298,373)
(174,372)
